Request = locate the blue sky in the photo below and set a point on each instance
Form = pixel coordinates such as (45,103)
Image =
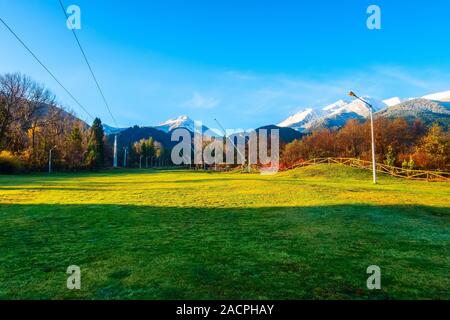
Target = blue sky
(246,62)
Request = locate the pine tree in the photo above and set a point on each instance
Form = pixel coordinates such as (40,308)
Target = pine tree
(96,146)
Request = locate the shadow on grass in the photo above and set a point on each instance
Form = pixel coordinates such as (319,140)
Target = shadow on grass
(139,252)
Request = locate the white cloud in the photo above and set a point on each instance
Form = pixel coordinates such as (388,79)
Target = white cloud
(199,101)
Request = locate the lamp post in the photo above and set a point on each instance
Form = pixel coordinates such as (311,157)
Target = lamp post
(115,152)
(374,165)
(50,159)
(125,157)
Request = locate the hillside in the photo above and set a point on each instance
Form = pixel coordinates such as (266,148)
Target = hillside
(45,110)
(131,135)
(306,234)
(427,111)
(287,135)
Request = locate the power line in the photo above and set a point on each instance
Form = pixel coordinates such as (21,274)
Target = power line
(89,65)
(45,67)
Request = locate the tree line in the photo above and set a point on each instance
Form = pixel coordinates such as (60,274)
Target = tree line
(32,123)
(398,143)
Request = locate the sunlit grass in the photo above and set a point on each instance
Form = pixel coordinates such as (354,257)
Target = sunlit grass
(308,233)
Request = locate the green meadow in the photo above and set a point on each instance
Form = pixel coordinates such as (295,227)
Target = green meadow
(309,233)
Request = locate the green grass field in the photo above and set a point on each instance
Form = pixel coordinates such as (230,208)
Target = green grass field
(306,234)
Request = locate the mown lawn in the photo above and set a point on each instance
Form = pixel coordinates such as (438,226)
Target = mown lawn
(305,234)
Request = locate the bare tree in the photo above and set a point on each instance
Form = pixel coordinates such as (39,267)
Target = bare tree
(13,94)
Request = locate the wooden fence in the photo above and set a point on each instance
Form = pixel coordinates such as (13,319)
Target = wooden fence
(382,168)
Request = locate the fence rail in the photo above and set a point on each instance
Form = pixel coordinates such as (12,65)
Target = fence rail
(381,168)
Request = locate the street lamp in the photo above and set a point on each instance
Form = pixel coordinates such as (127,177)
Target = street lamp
(125,157)
(352,94)
(50,159)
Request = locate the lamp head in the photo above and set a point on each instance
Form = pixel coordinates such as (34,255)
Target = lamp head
(352,94)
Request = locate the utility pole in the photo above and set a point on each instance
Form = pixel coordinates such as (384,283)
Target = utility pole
(140,162)
(50,159)
(115,152)
(125,157)
(374,164)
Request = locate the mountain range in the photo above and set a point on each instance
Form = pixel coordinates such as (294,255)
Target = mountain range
(429,109)
(168,126)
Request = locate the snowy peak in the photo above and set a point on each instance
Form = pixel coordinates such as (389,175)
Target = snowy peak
(440,96)
(425,110)
(335,106)
(306,118)
(376,104)
(393,101)
(337,114)
(180,122)
(333,115)
(356,107)
(298,120)
(186,123)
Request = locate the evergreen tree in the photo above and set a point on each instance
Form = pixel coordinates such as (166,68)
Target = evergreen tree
(96,146)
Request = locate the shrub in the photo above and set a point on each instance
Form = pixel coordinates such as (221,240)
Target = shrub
(9,164)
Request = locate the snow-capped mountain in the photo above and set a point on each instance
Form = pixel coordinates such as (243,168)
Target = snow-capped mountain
(333,115)
(180,122)
(441,97)
(335,106)
(428,111)
(430,108)
(338,115)
(186,123)
(361,108)
(393,101)
(300,119)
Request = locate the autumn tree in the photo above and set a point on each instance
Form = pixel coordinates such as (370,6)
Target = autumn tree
(293,152)
(433,150)
(351,139)
(75,148)
(13,93)
(145,148)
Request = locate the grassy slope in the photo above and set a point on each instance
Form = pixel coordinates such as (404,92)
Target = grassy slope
(308,233)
